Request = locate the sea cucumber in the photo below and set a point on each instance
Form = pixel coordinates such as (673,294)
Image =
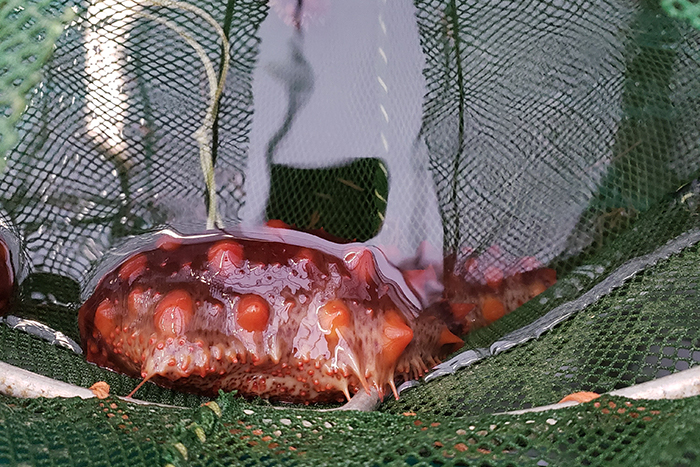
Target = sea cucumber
(280,314)
(482,289)
(274,313)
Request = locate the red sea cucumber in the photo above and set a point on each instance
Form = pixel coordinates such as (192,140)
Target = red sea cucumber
(276,313)
(484,288)
(286,315)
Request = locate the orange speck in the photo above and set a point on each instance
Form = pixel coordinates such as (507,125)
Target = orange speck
(100,389)
(580,397)
(168,243)
(134,302)
(397,335)
(225,255)
(104,317)
(408,414)
(133,267)
(174,312)
(461,447)
(492,309)
(252,313)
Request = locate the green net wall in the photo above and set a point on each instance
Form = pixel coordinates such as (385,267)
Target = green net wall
(568,132)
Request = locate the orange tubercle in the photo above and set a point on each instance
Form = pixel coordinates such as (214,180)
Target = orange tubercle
(419,279)
(134,301)
(397,335)
(461,310)
(494,277)
(168,243)
(225,254)
(447,338)
(362,263)
(133,267)
(252,313)
(332,317)
(104,318)
(173,313)
(492,309)
(545,278)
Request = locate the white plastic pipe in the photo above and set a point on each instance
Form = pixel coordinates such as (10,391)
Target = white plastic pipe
(679,385)
(17,382)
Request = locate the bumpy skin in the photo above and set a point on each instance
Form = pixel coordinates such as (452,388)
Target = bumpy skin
(482,289)
(287,315)
(290,317)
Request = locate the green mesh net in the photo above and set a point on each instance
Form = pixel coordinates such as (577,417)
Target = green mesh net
(683,9)
(565,131)
(27,37)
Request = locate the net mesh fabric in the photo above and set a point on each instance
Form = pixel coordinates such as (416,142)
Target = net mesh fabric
(105,144)
(684,9)
(596,108)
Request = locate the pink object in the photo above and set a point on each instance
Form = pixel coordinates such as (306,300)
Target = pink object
(311,11)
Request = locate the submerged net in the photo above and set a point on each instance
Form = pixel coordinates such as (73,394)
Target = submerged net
(567,132)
